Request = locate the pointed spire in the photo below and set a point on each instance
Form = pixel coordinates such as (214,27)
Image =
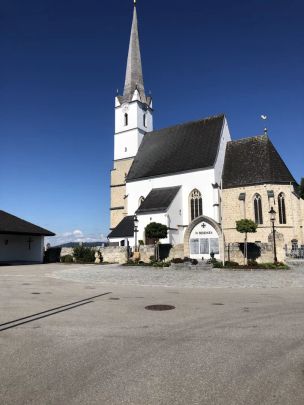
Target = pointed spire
(134,75)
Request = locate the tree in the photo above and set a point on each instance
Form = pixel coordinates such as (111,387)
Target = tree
(246,226)
(156,231)
(83,254)
(301,188)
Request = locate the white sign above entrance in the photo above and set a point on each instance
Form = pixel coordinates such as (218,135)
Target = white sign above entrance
(203,230)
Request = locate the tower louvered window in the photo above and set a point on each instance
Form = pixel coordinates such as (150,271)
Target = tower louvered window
(126,120)
(282,208)
(258,212)
(196,204)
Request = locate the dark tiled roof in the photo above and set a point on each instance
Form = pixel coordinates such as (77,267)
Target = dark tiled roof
(184,147)
(9,224)
(252,161)
(159,199)
(125,229)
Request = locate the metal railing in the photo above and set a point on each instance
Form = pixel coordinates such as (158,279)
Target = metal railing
(295,252)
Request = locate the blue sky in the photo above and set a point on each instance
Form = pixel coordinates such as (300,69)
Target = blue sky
(62,61)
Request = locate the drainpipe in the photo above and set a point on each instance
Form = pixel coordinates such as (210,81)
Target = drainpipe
(292,210)
(221,220)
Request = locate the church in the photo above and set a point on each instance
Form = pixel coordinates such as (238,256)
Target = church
(196,180)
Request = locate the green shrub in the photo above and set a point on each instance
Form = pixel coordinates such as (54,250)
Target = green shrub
(152,259)
(67,259)
(217,265)
(194,262)
(177,260)
(273,266)
(252,263)
(161,264)
(141,242)
(231,264)
(83,254)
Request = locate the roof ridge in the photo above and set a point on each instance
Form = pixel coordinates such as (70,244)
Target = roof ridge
(249,138)
(165,188)
(212,117)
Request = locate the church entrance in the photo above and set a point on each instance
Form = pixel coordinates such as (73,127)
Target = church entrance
(204,241)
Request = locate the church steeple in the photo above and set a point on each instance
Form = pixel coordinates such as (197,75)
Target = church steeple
(134,75)
(133,110)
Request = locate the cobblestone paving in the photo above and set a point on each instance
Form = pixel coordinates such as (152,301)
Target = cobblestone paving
(216,278)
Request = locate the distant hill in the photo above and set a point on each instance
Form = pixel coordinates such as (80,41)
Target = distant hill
(85,244)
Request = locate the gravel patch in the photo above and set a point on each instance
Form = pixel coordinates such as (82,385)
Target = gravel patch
(165,277)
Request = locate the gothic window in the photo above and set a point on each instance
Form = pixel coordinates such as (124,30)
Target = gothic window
(258,212)
(196,204)
(145,120)
(140,201)
(126,119)
(282,209)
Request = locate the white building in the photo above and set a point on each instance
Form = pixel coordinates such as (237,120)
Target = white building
(174,174)
(177,176)
(20,241)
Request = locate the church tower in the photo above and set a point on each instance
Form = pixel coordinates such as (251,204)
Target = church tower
(133,118)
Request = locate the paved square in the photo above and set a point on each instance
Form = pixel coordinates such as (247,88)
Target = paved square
(221,345)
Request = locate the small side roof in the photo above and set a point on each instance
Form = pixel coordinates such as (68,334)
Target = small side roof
(158,200)
(125,229)
(9,224)
(252,161)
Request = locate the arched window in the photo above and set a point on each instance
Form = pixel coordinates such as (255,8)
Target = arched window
(282,208)
(258,212)
(140,201)
(145,120)
(196,204)
(126,119)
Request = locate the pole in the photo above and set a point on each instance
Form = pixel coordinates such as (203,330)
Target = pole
(135,231)
(274,244)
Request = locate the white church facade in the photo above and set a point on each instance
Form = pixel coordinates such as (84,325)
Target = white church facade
(181,176)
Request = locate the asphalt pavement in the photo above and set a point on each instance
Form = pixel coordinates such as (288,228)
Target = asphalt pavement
(82,342)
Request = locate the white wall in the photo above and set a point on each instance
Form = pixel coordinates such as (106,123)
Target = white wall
(219,164)
(202,180)
(126,144)
(15,248)
(130,137)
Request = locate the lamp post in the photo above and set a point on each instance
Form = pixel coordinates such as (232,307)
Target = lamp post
(135,231)
(272,219)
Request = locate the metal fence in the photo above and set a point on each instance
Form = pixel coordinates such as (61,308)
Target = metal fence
(295,252)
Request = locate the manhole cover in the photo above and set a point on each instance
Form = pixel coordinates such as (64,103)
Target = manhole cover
(35,293)
(217,303)
(114,299)
(159,307)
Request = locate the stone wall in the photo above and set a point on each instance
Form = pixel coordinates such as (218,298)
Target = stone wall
(177,252)
(111,254)
(114,254)
(260,252)
(146,252)
(233,210)
(67,251)
(118,191)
